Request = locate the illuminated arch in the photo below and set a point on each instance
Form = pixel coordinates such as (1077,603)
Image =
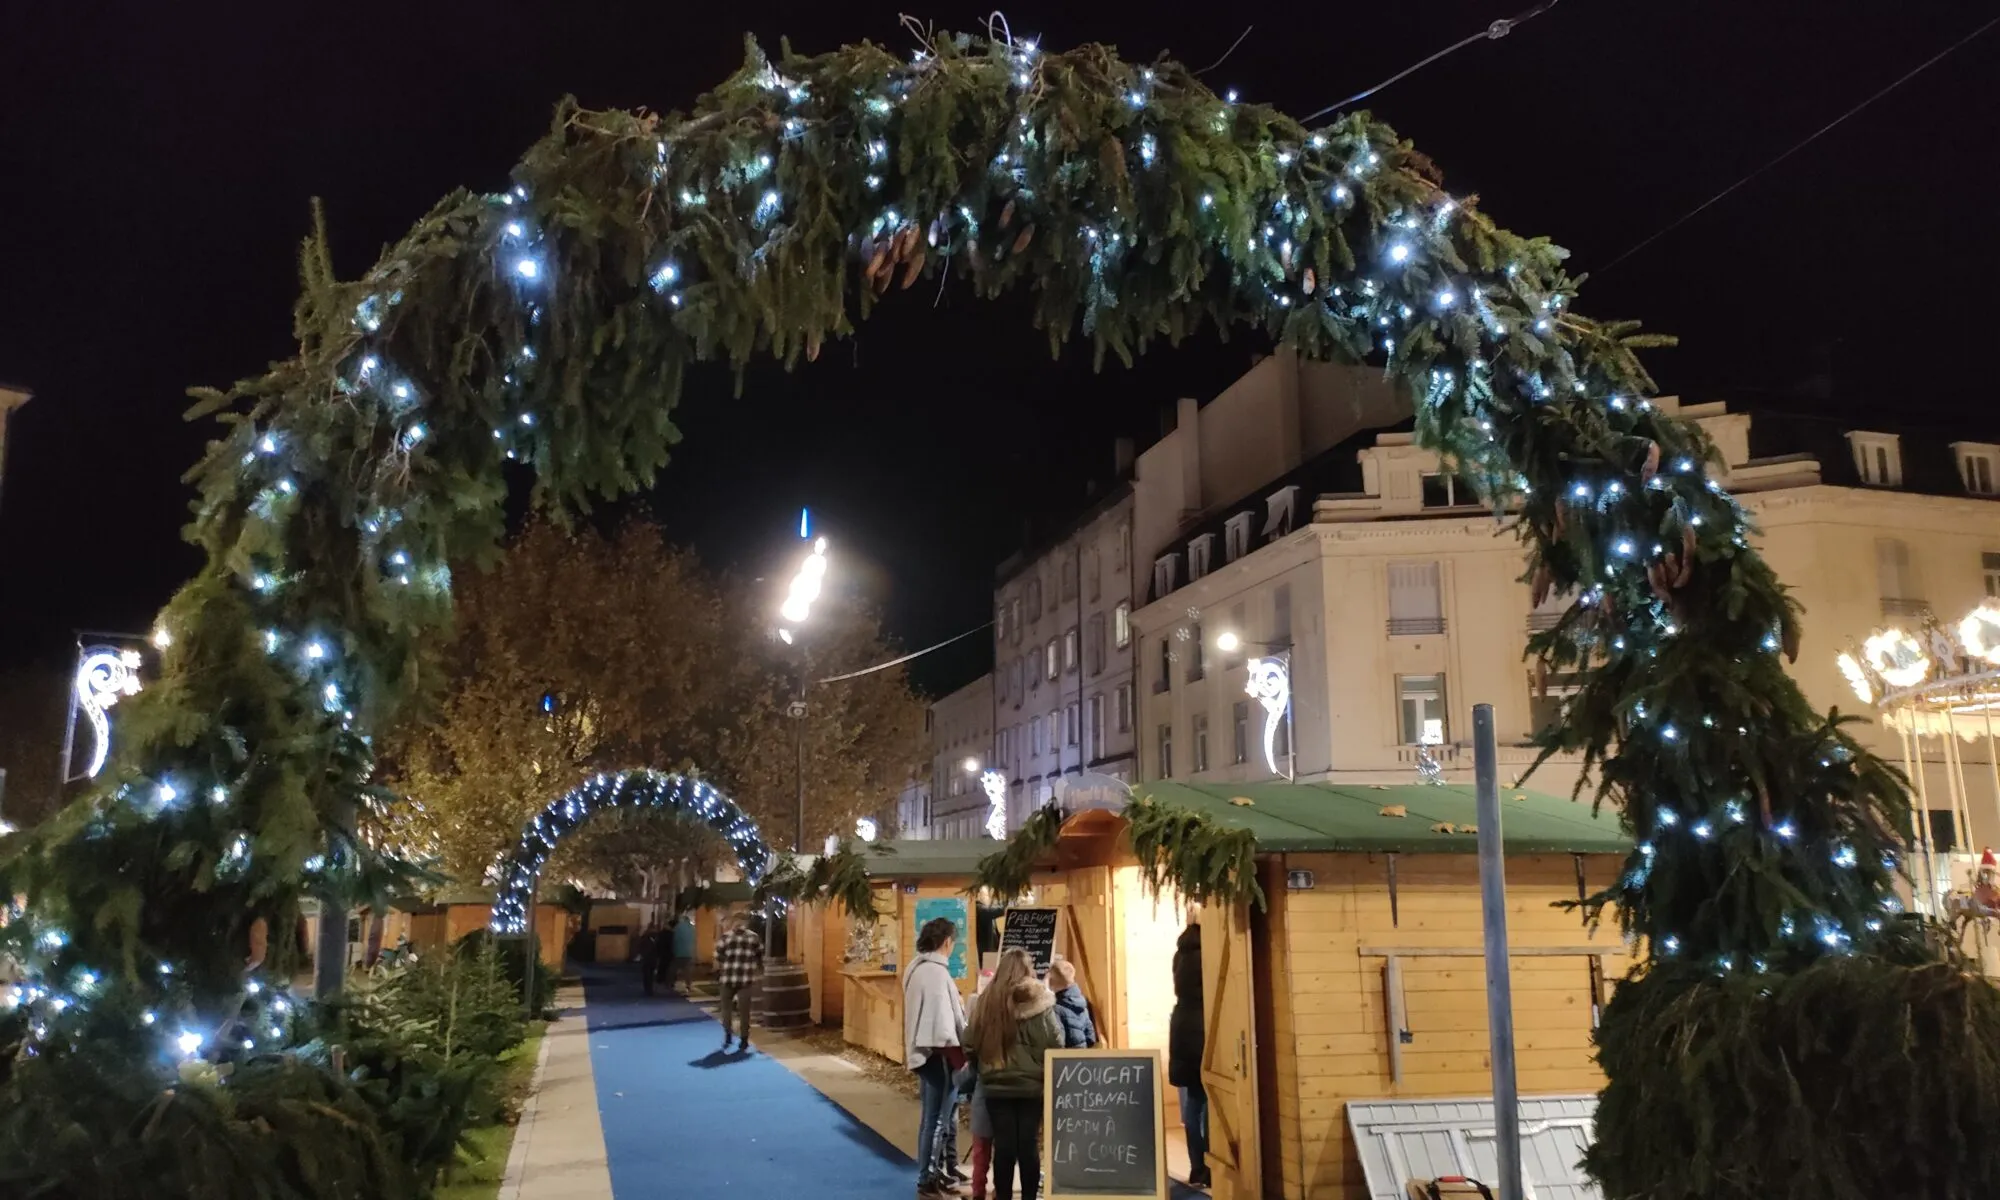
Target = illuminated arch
(639,789)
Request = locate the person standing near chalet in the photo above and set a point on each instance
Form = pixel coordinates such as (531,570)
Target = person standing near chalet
(933,1032)
(680,963)
(1187,1039)
(649,956)
(739,957)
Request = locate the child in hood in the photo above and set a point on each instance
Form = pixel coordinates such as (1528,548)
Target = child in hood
(1072,1010)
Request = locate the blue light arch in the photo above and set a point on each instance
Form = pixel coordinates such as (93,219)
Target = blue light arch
(644,788)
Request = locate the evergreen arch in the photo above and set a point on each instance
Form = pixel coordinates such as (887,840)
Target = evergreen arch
(550,324)
(662,791)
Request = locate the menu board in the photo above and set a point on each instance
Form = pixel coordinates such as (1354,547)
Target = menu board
(1033,930)
(1102,1115)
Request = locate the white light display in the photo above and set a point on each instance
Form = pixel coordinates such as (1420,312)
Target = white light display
(1980,632)
(1271,683)
(104,676)
(995,783)
(805,585)
(865,828)
(1896,657)
(516,873)
(1856,677)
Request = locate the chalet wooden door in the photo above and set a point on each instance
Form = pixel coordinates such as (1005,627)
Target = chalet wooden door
(1088,944)
(1229,1059)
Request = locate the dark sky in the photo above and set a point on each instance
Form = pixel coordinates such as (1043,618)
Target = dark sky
(155,173)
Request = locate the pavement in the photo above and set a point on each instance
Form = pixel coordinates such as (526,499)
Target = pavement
(633,1099)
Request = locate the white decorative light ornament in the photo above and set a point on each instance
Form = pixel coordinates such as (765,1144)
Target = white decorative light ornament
(104,676)
(995,783)
(864,828)
(1271,683)
(805,585)
(1980,633)
(1850,667)
(1896,657)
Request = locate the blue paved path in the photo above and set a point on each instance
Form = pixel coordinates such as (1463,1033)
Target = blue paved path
(681,1119)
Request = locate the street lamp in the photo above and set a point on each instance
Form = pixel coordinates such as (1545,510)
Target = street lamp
(1270,684)
(799,597)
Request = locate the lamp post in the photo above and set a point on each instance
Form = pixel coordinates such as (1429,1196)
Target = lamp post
(1270,683)
(805,589)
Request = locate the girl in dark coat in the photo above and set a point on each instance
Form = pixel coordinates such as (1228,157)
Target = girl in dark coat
(1186,1040)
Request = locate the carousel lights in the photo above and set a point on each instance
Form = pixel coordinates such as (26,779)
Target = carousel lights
(1979,632)
(1857,678)
(1896,657)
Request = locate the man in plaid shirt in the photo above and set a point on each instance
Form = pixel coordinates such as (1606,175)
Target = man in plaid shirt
(739,957)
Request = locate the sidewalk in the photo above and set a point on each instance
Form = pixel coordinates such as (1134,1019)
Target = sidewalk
(635,1100)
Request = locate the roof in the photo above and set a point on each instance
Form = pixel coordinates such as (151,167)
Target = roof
(904,858)
(1299,817)
(1402,1140)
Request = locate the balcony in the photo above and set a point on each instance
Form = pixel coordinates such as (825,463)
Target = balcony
(1542,622)
(1415,626)
(1445,755)
(1904,608)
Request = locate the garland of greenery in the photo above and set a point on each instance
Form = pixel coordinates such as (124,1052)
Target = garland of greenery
(838,878)
(550,324)
(1193,853)
(1009,872)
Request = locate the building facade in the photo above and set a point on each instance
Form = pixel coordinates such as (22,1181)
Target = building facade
(1062,687)
(11,398)
(961,729)
(1397,602)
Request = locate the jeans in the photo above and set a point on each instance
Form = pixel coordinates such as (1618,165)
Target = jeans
(735,1000)
(934,1083)
(1017,1128)
(1194,1118)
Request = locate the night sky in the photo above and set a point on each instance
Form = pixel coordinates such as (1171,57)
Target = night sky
(155,175)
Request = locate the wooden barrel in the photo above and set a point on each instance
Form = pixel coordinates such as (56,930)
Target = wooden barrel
(787,996)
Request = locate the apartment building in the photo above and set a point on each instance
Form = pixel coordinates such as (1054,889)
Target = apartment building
(1062,684)
(961,732)
(1395,602)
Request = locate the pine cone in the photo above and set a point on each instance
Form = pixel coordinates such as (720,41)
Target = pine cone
(913,267)
(1006,214)
(1788,634)
(1022,238)
(1310,281)
(1545,582)
(1652,466)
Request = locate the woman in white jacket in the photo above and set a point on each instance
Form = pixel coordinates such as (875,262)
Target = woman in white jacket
(933,1031)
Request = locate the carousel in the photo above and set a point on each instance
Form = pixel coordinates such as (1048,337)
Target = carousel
(1937,688)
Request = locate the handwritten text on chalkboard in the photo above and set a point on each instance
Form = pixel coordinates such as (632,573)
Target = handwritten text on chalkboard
(1104,1124)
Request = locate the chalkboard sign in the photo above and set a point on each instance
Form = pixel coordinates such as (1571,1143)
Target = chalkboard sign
(1033,930)
(1102,1121)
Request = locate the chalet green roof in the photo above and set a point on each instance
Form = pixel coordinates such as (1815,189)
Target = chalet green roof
(1300,817)
(910,858)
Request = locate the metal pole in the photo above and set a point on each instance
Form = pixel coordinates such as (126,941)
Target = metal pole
(531,954)
(799,829)
(1499,984)
(69,726)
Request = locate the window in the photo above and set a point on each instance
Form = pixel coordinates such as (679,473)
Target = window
(1056,733)
(1878,457)
(1198,553)
(1014,618)
(1000,624)
(1165,682)
(1278,508)
(1200,743)
(1990,564)
(1897,578)
(1069,578)
(1976,467)
(1124,707)
(1447,491)
(1037,738)
(1034,671)
(1121,625)
(1281,615)
(1097,725)
(1073,720)
(1166,752)
(1093,643)
(1236,537)
(1124,551)
(1093,573)
(1423,712)
(1019,663)
(1052,666)
(1239,745)
(1034,599)
(1231,658)
(1165,568)
(1070,650)
(1416,605)
(1194,654)
(1551,708)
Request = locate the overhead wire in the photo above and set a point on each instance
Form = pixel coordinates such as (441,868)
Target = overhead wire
(1493,32)
(897,662)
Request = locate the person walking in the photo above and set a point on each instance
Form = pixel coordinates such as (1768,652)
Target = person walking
(739,957)
(933,1026)
(680,963)
(1187,1040)
(1072,1010)
(649,956)
(1010,1036)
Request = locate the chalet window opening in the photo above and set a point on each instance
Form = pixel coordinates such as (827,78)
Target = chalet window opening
(1977,471)
(1878,458)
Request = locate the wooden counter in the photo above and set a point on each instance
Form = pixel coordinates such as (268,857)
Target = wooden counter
(872,1009)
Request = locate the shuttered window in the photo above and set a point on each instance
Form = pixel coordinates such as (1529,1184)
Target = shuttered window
(1416,599)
